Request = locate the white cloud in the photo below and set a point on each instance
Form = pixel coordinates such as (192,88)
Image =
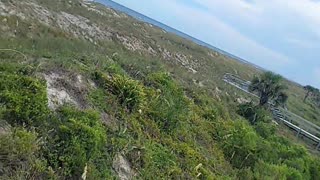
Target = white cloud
(268,33)
(309,12)
(281,13)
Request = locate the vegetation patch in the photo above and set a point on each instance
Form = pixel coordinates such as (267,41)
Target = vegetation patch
(77,139)
(23,99)
(130,93)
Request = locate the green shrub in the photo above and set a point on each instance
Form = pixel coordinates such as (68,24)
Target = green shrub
(130,93)
(239,142)
(168,105)
(160,163)
(315,169)
(264,170)
(160,80)
(189,156)
(20,156)
(265,130)
(114,69)
(253,113)
(78,138)
(24,99)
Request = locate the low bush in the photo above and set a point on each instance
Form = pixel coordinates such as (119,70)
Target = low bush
(21,157)
(239,142)
(253,113)
(168,105)
(265,130)
(77,139)
(130,93)
(24,99)
(160,163)
(264,170)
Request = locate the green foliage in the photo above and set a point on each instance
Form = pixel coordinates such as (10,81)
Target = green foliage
(265,130)
(269,87)
(315,168)
(160,163)
(168,104)
(253,113)
(239,142)
(259,118)
(264,170)
(24,99)
(20,156)
(246,147)
(77,138)
(130,93)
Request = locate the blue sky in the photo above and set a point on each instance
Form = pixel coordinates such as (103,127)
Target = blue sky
(279,35)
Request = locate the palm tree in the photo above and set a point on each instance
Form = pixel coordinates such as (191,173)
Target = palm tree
(269,88)
(310,90)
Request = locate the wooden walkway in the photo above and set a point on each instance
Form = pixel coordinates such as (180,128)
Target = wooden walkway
(277,113)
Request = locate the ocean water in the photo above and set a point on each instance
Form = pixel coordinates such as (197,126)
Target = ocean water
(141,17)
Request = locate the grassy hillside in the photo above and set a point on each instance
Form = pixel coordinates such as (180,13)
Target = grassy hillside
(88,92)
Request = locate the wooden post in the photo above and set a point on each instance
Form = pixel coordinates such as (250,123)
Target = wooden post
(298,133)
